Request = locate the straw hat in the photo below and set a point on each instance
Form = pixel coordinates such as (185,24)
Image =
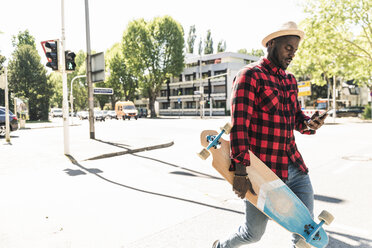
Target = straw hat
(288,28)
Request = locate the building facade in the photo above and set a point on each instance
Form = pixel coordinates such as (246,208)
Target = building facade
(202,88)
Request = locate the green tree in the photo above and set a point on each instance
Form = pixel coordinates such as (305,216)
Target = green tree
(221,46)
(191,39)
(27,79)
(208,43)
(154,52)
(55,80)
(23,38)
(253,52)
(338,41)
(200,46)
(121,79)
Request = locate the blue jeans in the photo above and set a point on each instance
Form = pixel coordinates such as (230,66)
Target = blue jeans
(255,221)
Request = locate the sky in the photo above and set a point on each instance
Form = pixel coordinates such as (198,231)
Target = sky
(241,23)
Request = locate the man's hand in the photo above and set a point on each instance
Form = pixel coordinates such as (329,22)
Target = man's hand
(241,181)
(316,121)
(241,185)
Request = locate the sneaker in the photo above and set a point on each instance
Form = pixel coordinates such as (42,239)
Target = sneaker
(215,244)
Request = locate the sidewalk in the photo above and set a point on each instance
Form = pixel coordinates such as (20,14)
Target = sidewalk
(82,147)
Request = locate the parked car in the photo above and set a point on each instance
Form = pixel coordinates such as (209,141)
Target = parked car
(83,115)
(105,113)
(13,121)
(56,112)
(98,115)
(111,114)
(350,112)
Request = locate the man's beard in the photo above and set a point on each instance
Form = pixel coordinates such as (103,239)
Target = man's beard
(275,58)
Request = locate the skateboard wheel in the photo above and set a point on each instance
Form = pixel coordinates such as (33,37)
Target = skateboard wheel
(326,217)
(203,154)
(301,243)
(227,128)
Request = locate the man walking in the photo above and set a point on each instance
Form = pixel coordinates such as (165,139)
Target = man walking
(265,112)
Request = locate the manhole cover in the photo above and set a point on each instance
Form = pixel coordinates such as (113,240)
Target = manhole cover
(357,158)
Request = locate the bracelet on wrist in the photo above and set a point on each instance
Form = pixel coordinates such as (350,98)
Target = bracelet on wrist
(240,175)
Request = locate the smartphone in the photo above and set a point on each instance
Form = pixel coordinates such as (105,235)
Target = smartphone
(320,116)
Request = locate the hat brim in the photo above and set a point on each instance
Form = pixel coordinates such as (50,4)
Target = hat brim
(280,33)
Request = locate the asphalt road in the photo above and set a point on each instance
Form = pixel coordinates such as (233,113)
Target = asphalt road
(165,197)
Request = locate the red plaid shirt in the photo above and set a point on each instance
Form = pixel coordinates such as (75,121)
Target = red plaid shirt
(265,111)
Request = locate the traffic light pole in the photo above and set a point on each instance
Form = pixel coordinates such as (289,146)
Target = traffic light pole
(66,134)
(89,74)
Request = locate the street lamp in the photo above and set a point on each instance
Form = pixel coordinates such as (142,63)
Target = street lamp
(71,97)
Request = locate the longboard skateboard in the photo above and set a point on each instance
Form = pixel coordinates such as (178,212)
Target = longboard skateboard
(273,197)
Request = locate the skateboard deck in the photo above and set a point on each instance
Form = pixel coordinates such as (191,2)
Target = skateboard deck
(273,197)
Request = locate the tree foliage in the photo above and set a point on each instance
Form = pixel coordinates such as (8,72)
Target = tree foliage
(200,46)
(121,78)
(338,41)
(154,51)
(191,39)
(23,38)
(27,79)
(253,52)
(208,43)
(221,46)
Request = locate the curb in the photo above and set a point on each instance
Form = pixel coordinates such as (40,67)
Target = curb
(41,127)
(147,148)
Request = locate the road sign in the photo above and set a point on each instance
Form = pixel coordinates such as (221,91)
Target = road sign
(98,67)
(179,100)
(103,91)
(304,88)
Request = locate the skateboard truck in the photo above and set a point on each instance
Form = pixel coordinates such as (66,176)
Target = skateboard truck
(313,232)
(214,141)
(211,139)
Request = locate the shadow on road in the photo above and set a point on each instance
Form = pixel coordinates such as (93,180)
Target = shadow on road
(193,172)
(94,172)
(132,151)
(336,243)
(328,199)
(10,136)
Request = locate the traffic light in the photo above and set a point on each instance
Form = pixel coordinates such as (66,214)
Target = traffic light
(52,54)
(70,60)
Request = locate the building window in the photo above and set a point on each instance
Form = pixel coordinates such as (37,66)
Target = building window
(220,104)
(219,89)
(189,77)
(205,75)
(177,105)
(190,105)
(164,105)
(208,62)
(219,72)
(206,89)
(189,91)
(163,93)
